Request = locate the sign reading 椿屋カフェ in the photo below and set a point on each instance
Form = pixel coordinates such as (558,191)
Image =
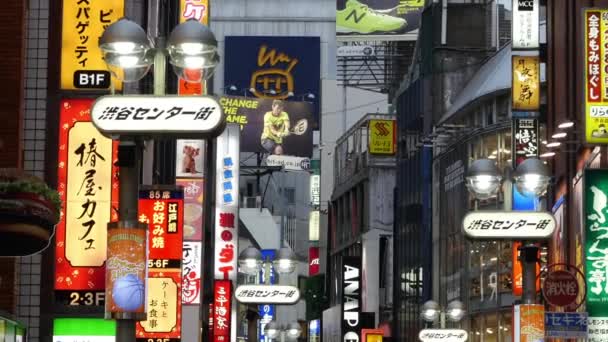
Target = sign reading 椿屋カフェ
(441,335)
(185,116)
(508,225)
(351,299)
(267,294)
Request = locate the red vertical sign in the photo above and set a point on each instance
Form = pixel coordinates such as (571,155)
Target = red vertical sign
(221,310)
(313,261)
(87,181)
(162,208)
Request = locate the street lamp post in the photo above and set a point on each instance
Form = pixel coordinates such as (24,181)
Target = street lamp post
(531,179)
(290,331)
(431,311)
(128,53)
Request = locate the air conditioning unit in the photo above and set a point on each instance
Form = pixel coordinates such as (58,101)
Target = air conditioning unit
(252,202)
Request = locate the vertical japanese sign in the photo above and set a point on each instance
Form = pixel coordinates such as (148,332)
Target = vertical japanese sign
(227,210)
(126,271)
(198,10)
(88,186)
(525,132)
(162,208)
(524,30)
(222,311)
(83,23)
(382,137)
(351,299)
(526,83)
(191,272)
(596,246)
(596,75)
(313,261)
(528,322)
(267,311)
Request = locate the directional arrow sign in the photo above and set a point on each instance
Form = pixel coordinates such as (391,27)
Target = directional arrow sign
(443,335)
(267,294)
(510,225)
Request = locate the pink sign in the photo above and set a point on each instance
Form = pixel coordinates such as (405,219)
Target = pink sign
(193,207)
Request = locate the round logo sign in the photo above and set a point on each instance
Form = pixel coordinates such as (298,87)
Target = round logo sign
(560,288)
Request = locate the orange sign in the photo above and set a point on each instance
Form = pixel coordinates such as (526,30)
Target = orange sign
(529,322)
(518,272)
(372,335)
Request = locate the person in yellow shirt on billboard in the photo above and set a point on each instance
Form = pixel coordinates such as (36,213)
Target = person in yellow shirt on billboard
(276,127)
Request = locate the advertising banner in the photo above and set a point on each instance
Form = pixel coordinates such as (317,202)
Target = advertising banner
(281,129)
(162,209)
(126,271)
(525,93)
(275,68)
(378,17)
(190,161)
(382,137)
(595,75)
(266,313)
(314,218)
(596,244)
(193,207)
(525,30)
(84,329)
(191,272)
(351,299)
(87,181)
(83,23)
(198,10)
(526,139)
(222,305)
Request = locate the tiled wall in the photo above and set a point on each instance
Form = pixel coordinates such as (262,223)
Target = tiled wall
(28,309)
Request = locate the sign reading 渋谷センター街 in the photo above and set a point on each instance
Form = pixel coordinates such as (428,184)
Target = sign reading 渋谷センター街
(596,249)
(526,83)
(162,209)
(182,116)
(595,75)
(508,225)
(87,181)
(267,294)
(83,23)
(443,335)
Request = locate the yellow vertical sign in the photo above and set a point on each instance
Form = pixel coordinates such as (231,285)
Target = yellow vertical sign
(382,137)
(595,76)
(526,83)
(88,195)
(83,22)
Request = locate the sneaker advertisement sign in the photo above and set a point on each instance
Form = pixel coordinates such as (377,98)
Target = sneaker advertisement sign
(377,17)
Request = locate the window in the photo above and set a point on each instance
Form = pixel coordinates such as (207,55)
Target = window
(290,195)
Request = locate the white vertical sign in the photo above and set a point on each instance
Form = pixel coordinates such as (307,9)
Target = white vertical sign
(227,209)
(524,28)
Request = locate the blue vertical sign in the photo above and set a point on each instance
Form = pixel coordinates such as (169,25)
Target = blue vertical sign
(266,311)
